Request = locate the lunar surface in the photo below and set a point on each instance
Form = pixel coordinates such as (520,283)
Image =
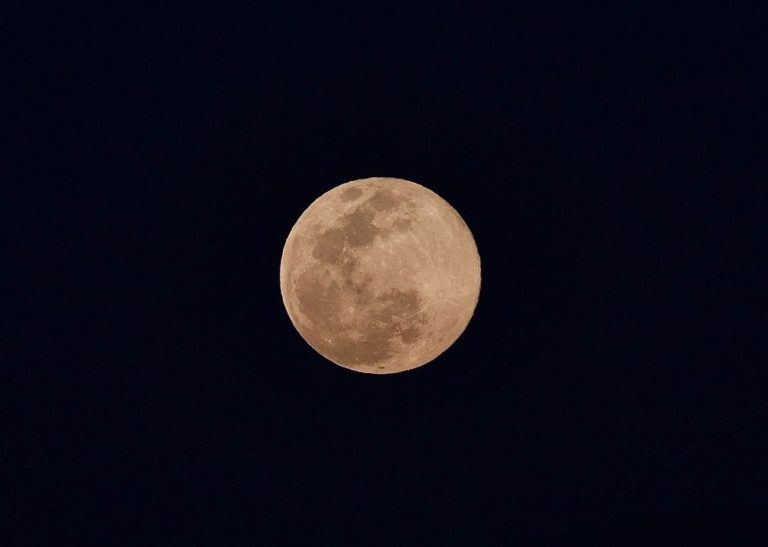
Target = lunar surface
(380,275)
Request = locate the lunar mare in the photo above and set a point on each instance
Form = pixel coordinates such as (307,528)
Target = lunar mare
(380,275)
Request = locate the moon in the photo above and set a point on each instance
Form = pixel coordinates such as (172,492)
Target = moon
(380,275)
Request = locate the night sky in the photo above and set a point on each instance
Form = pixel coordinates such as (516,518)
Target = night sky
(610,388)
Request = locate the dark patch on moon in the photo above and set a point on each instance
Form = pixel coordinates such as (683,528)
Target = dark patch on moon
(402,224)
(351,194)
(370,350)
(348,265)
(359,229)
(317,300)
(400,304)
(329,246)
(383,318)
(383,200)
(410,335)
(356,228)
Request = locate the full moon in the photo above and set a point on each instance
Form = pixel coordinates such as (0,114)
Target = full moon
(380,275)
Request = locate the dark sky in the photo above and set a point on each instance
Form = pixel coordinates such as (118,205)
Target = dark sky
(610,388)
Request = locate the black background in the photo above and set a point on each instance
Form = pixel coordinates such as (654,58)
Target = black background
(610,387)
